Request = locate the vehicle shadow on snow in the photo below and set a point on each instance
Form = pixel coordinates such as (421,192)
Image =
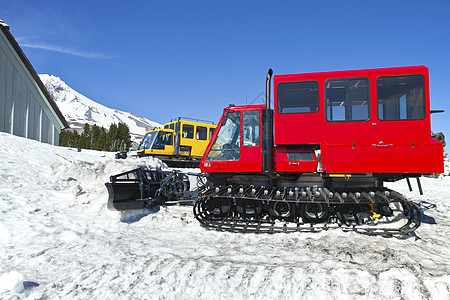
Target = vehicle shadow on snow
(30,284)
(427,219)
(425,206)
(134,216)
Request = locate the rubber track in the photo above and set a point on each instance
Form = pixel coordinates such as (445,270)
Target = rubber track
(234,222)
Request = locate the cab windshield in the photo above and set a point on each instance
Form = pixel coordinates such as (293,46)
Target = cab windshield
(226,144)
(148,140)
(156,140)
(162,139)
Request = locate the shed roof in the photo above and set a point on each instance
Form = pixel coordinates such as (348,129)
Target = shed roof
(5,29)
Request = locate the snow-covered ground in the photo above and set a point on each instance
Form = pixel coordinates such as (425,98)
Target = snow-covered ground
(58,240)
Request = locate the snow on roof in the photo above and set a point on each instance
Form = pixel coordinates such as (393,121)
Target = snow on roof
(4,24)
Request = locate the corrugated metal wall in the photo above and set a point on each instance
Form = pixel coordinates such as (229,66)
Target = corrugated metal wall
(24,111)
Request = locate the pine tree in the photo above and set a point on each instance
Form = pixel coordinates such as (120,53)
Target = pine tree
(111,139)
(117,138)
(101,142)
(74,139)
(95,134)
(85,139)
(64,138)
(123,134)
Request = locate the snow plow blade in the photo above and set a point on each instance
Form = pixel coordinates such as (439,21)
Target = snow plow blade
(124,196)
(143,188)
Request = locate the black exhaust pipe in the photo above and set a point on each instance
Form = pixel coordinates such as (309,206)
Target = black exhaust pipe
(267,130)
(268,78)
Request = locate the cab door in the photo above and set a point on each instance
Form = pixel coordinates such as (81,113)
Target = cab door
(163,143)
(251,152)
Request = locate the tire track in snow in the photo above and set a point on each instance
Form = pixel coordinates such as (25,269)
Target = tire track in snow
(183,276)
(235,283)
(273,282)
(257,282)
(204,278)
(199,284)
(222,275)
(161,278)
(172,277)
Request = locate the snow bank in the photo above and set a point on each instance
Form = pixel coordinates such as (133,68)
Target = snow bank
(11,282)
(56,231)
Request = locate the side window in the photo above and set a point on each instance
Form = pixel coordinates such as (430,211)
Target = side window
(166,126)
(172,126)
(202,133)
(251,128)
(169,138)
(298,97)
(347,99)
(188,131)
(401,97)
(211,132)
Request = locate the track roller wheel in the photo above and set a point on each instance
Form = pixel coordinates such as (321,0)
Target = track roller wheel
(349,213)
(217,206)
(248,208)
(314,212)
(385,210)
(282,210)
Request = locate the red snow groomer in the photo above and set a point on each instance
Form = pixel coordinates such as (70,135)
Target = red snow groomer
(317,160)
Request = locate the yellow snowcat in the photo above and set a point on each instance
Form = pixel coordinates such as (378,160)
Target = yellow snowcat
(181,143)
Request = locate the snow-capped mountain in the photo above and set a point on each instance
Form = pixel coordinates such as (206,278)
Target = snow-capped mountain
(78,109)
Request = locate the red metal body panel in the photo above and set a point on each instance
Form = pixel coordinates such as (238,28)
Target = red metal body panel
(390,159)
(283,164)
(361,147)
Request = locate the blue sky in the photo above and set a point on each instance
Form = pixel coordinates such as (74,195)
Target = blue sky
(164,59)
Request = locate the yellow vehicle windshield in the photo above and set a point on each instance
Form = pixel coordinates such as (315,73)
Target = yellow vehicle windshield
(156,140)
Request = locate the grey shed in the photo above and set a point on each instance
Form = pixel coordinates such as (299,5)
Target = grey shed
(26,107)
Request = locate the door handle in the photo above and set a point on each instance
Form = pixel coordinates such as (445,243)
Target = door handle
(382,145)
(294,163)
